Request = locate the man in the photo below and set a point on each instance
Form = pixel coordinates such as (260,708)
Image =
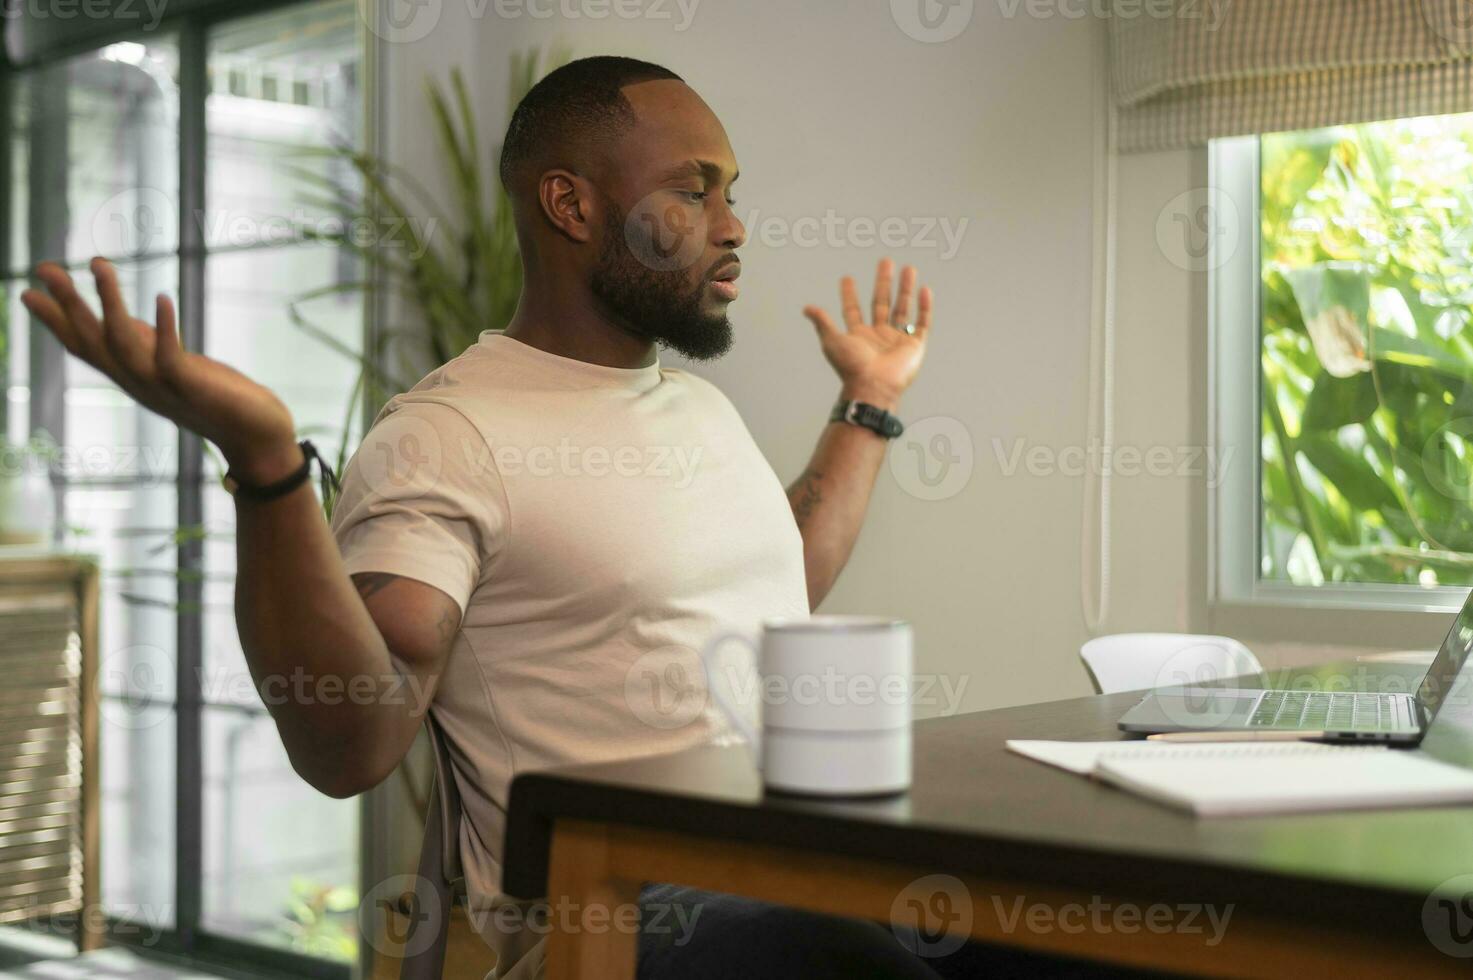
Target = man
(554,511)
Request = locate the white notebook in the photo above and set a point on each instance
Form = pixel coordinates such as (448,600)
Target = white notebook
(1239,779)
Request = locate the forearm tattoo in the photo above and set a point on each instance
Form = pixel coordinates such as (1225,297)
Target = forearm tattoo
(372,583)
(806,495)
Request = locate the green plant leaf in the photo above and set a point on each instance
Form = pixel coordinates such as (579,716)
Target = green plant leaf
(1349,472)
(1337,402)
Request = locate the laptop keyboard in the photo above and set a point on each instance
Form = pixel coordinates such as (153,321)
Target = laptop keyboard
(1319,711)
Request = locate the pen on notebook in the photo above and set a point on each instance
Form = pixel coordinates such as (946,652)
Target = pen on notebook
(1238,737)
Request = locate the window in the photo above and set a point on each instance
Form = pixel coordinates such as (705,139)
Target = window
(172,153)
(1345,364)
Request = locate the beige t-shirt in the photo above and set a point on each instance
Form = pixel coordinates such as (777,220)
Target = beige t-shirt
(595,525)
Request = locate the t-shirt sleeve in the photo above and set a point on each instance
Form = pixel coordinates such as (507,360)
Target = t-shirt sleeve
(421,498)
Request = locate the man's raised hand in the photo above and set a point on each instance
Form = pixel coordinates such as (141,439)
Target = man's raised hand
(250,424)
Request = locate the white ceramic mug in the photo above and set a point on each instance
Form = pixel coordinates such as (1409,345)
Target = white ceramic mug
(835,698)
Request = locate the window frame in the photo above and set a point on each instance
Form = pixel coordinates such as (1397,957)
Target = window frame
(1235,391)
(188,942)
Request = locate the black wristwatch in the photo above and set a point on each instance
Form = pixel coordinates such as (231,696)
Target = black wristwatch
(867,416)
(286,484)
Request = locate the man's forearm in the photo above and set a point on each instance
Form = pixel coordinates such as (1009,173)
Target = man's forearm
(830,499)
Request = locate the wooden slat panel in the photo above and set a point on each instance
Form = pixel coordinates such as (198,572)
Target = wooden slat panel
(24,809)
(60,901)
(48,736)
(38,823)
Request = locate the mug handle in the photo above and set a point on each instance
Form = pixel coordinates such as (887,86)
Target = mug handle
(717,692)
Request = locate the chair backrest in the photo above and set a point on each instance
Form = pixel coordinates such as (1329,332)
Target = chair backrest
(450,812)
(1137,661)
(440,882)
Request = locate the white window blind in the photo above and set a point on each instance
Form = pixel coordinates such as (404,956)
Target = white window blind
(1186,71)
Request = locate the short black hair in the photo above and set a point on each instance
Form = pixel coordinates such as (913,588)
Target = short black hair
(581,102)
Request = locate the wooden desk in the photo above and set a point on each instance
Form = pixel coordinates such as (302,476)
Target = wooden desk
(1308,893)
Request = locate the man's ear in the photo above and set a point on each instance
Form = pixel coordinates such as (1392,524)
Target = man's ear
(568,201)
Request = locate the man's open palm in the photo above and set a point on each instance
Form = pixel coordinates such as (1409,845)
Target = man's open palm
(249,423)
(877,356)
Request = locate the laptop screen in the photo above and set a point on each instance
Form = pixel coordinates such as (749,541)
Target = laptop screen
(1449,662)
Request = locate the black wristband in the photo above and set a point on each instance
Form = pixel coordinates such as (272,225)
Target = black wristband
(286,484)
(867,416)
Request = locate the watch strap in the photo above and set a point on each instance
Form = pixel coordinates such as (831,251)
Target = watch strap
(288,483)
(867,416)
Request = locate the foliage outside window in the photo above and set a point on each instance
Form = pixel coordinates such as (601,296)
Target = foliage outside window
(1366,354)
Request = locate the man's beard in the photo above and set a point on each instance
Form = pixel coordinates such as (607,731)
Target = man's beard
(657,305)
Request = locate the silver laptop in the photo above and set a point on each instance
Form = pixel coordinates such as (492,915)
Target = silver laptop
(1400,719)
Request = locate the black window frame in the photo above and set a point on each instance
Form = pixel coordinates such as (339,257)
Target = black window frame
(188,942)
